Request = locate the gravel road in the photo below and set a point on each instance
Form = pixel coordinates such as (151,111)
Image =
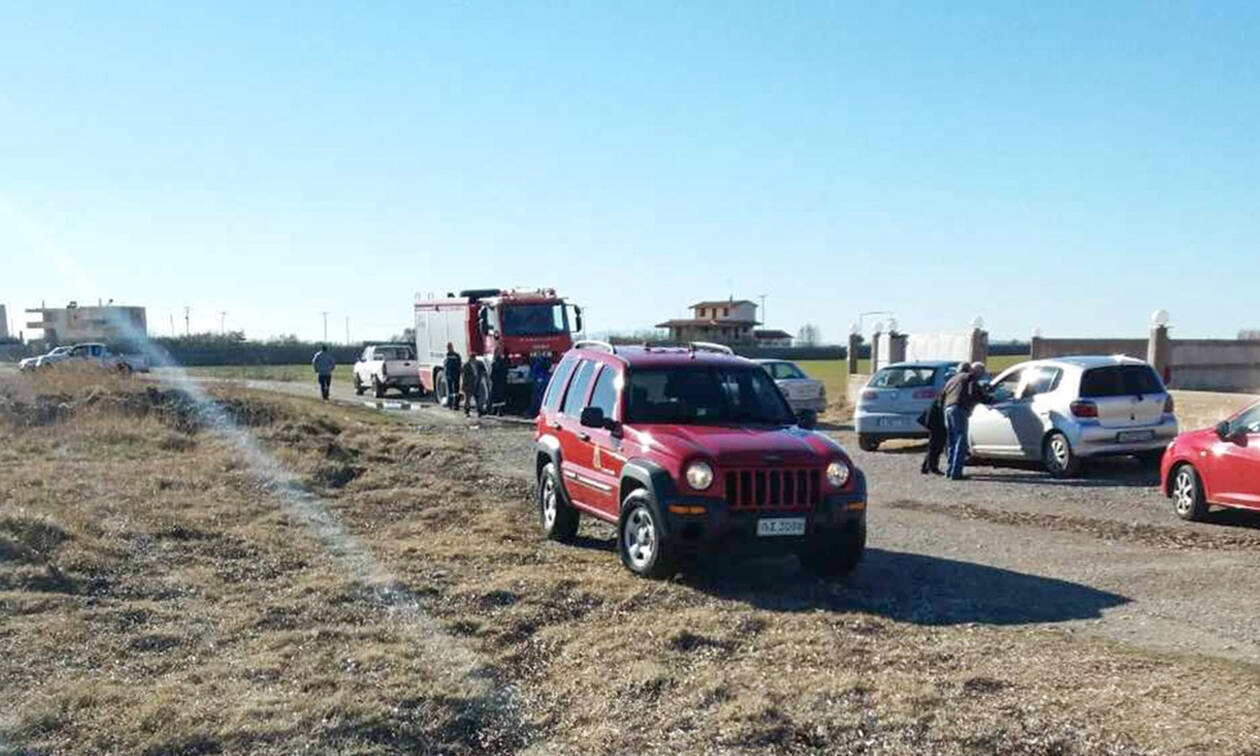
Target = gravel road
(1102,555)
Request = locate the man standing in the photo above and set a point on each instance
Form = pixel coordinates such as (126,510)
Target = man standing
(468,384)
(324,364)
(539,375)
(961,394)
(450,374)
(933,418)
(498,382)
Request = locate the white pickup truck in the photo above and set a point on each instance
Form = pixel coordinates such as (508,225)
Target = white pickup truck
(92,353)
(385,366)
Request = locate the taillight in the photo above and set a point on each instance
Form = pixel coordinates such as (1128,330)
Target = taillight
(870,395)
(925,394)
(1169,405)
(1084,409)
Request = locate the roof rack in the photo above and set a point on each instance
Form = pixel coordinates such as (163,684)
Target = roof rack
(593,344)
(708,346)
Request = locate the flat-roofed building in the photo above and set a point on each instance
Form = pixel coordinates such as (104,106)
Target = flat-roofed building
(105,323)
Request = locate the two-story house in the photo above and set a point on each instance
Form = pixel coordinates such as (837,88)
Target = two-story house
(729,321)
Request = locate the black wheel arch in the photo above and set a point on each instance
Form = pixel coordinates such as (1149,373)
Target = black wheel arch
(547,452)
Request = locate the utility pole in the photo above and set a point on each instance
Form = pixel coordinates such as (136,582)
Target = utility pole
(186,328)
(347,330)
(172,324)
(222,317)
(325,314)
(762,297)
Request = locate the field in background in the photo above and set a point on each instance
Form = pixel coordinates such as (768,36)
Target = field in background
(835,373)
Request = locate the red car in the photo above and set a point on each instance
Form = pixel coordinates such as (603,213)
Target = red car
(1218,466)
(691,449)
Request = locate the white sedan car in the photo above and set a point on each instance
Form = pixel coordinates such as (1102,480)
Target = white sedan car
(807,396)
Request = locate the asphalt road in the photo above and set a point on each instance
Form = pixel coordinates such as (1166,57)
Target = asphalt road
(1103,554)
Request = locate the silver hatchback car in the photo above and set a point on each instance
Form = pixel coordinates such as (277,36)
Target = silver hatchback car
(1063,410)
(893,399)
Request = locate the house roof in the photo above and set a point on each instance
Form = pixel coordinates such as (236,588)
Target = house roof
(722,303)
(705,322)
(772,333)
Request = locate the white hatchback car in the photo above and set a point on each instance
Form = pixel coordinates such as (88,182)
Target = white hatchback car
(1063,410)
(893,399)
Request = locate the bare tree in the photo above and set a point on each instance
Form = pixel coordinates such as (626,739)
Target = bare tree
(1249,334)
(809,335)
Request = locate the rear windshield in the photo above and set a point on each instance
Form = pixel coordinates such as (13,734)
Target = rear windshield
(1120,380)
(394,353)
(784,371)
(705,395)
(904,377)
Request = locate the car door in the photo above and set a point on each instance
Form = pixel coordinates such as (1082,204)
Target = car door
(992,428)
(1235,469)
(604,444)
(575,448)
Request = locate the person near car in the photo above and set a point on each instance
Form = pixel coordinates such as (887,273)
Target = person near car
(468,385)
(498,382)
(539,374)
(960,396)
(450,374)
(933,418)
(324,363)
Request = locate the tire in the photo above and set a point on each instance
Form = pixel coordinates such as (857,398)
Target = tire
(1186,491)
(378,389)
(439,387)
(867,443)
(358,386)
(1057,456)
(835,557)
(483,391)
(559,520)
(640,543)
(808,419)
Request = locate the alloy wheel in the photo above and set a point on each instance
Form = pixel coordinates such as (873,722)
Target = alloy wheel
(1184,491)
(549,504)
(639,535)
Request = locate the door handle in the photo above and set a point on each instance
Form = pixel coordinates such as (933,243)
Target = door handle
(584,436)
(556,426)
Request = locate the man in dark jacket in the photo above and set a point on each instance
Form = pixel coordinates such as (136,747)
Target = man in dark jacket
(960,396)
(933,418)
(450,374)
(468,380)
(324,364)
(498,382)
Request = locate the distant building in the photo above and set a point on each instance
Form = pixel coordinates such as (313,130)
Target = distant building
(72,323)
(728,321)
(772,338)
(4,323)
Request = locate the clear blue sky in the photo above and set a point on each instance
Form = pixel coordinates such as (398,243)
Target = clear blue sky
(1070,168)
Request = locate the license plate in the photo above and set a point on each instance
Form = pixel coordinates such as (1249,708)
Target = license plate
(1145,435)
(781,526)
(891,422)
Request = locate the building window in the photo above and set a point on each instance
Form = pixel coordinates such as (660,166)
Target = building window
(700,314)
(726,311)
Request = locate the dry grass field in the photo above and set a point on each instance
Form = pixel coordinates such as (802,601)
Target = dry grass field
(355,584)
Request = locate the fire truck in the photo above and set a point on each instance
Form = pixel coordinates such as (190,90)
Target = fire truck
(522,323)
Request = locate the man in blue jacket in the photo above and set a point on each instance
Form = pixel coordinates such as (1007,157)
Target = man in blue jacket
(324,364)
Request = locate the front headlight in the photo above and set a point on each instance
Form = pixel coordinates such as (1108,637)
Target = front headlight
(838,474)
(699,475)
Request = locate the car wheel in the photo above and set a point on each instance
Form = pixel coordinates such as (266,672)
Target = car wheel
(439,388)
(867,443)
(559,520)
(829,557)
(808,419)
(378,390)
(358,386)
(1058,457)
(639,538)
(1187,494)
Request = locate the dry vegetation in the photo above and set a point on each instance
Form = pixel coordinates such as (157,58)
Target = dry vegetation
(159,594)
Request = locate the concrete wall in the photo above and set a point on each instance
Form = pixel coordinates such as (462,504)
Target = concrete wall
(1214,365)
(939,346)
(1042,348)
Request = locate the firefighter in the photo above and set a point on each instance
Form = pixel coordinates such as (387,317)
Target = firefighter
(540,374)
(450,374)
(323,363)
(498,382)
(468,382)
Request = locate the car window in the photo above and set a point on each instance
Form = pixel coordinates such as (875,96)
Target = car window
(1041,380)
(705,395)
(555,389)
(785,371)
(605,394)
(1249,420)
(573,400)
(903,377)
(1120,380)
(1003,389)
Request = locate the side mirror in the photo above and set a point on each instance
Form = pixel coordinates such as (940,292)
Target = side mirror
(593,417)
(577,319)
(1239,436)
(1222,430)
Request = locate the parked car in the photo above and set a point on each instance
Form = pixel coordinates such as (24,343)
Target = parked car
(385,366)
(1219,465)
(807,396)
(93,354)
(30,363)
(894,398)
(1068,409)
(691,449)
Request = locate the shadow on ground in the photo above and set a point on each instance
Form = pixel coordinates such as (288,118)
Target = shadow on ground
(916,588)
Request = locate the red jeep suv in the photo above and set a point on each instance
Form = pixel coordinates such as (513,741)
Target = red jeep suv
(691,449)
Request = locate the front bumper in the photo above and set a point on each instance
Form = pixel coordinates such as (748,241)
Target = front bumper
(721,529)
(1093,440)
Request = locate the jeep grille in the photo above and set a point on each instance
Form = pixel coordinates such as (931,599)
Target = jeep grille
(775,488)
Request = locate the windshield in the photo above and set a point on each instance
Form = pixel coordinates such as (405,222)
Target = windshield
(394,353)
(904,377)
(534,319)
(705,395)
(784,371)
